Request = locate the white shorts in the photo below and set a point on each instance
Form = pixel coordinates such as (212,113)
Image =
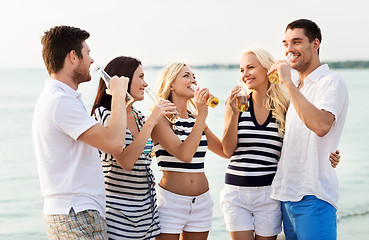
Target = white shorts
(251,208)
(179,213)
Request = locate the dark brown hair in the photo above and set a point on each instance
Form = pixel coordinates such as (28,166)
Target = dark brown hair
(311,29)
(119,66)
(58,42)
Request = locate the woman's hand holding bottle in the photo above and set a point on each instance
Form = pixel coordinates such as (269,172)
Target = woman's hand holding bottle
(162,109)
(172,116)
(232,99)
(200,99)
(211,100)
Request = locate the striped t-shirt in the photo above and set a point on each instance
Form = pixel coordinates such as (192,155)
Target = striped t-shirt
(131,208)
(254,162)
(182,128)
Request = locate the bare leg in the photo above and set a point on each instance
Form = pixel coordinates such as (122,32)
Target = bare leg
(167,236)
(242,235)
(194,235)
(265,238)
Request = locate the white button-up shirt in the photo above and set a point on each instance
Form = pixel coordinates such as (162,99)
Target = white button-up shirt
(304,167)
(70,171)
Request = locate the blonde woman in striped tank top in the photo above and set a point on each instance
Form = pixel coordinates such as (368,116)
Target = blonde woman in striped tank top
(184,201)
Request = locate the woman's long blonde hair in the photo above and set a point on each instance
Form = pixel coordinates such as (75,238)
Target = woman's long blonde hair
(277,101)
(166,79)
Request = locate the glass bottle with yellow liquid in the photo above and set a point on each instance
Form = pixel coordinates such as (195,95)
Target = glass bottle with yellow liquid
(241,100)
(173,118)
(129,99)
(212,101)
(273,77)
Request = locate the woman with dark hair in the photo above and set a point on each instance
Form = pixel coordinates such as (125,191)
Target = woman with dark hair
(131,209)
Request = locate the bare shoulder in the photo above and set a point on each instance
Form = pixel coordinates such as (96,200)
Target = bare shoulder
(161,129)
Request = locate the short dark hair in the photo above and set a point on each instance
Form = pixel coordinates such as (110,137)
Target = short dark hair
(311,29)
(119,66)
(58,42)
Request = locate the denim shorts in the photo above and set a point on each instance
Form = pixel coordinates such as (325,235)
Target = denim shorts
(309,218)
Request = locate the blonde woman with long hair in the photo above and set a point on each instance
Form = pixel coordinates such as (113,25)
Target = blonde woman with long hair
(184,201)
(253,140)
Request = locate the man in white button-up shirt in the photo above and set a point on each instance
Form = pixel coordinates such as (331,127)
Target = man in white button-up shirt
(305,181)
(65,139)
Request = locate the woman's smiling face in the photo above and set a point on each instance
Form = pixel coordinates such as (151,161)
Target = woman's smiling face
(253,74)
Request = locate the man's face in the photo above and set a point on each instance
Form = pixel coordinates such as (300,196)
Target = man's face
(82,72)
(296,42)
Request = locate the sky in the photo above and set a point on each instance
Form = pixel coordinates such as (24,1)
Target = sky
(197,32)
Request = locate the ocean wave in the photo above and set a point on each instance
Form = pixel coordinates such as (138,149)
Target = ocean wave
(353,214)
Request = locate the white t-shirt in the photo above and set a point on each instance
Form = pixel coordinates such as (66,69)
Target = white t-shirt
(70,171)
(304,167)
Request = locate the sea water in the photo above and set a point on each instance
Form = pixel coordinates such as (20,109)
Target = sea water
(20,199)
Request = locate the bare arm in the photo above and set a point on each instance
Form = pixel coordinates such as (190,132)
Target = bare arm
(317,120)
(214,144)
(110,138)
(130,154)
(230,135)
(184,151)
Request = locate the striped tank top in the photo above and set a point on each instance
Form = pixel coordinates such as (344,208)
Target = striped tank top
(131,208)
(182,128)
(254,162)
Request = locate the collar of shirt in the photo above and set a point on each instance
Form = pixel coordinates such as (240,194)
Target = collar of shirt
(64,87)
(317,73)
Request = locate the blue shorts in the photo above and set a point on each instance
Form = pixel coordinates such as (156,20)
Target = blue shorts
(309,219)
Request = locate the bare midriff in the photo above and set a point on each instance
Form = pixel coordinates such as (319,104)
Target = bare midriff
(182,183)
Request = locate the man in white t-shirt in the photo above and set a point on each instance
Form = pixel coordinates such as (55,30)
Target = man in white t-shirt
(305,181)
(65,139)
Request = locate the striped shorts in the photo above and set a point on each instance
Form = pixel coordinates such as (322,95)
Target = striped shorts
(88,224)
